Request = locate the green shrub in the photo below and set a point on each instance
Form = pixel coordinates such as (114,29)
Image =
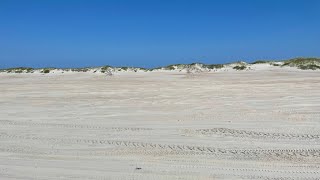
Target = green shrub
(143,69)
(239,68)
(170,67)
(18,71)
(104,68)
(285,64)
(46,71)
(157,68)
(310,66)
(79,69)
(259,62)
(296,62)
(124,68)
(192,64)
(29,70)
(214,66)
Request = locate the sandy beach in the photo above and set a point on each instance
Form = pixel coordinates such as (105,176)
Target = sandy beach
(261,124)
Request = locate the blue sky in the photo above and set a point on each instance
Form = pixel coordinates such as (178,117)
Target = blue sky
(149,33)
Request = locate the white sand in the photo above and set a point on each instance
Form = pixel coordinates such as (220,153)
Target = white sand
(257,124)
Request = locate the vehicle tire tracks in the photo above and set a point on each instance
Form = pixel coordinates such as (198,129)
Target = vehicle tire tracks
(288,154)
(251,134)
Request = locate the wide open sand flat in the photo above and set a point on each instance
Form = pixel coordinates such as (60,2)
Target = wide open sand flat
(160,125)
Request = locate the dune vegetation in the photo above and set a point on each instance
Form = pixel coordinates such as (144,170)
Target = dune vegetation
(303,63)
(300,63)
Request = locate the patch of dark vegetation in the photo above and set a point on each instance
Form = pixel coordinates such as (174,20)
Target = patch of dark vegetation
(106,68)
(143,69)
(170,67)
(239,68)
(124,68)
(79,69)
(135,69)
(195,63)
(286,64)
(260,62)
(174,66)
(242,63)
(302,62)
(153,69)
(19,70)
(46,71)
(214,66)
(309,67)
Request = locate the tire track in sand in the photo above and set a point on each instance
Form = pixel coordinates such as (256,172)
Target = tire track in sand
(181,148)
(250,134)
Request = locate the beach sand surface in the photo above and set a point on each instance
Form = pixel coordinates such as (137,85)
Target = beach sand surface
(262,124)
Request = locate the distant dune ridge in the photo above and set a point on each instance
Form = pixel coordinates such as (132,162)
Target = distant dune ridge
(298,63)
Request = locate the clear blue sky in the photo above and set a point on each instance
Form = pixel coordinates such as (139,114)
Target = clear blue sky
(148,33)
